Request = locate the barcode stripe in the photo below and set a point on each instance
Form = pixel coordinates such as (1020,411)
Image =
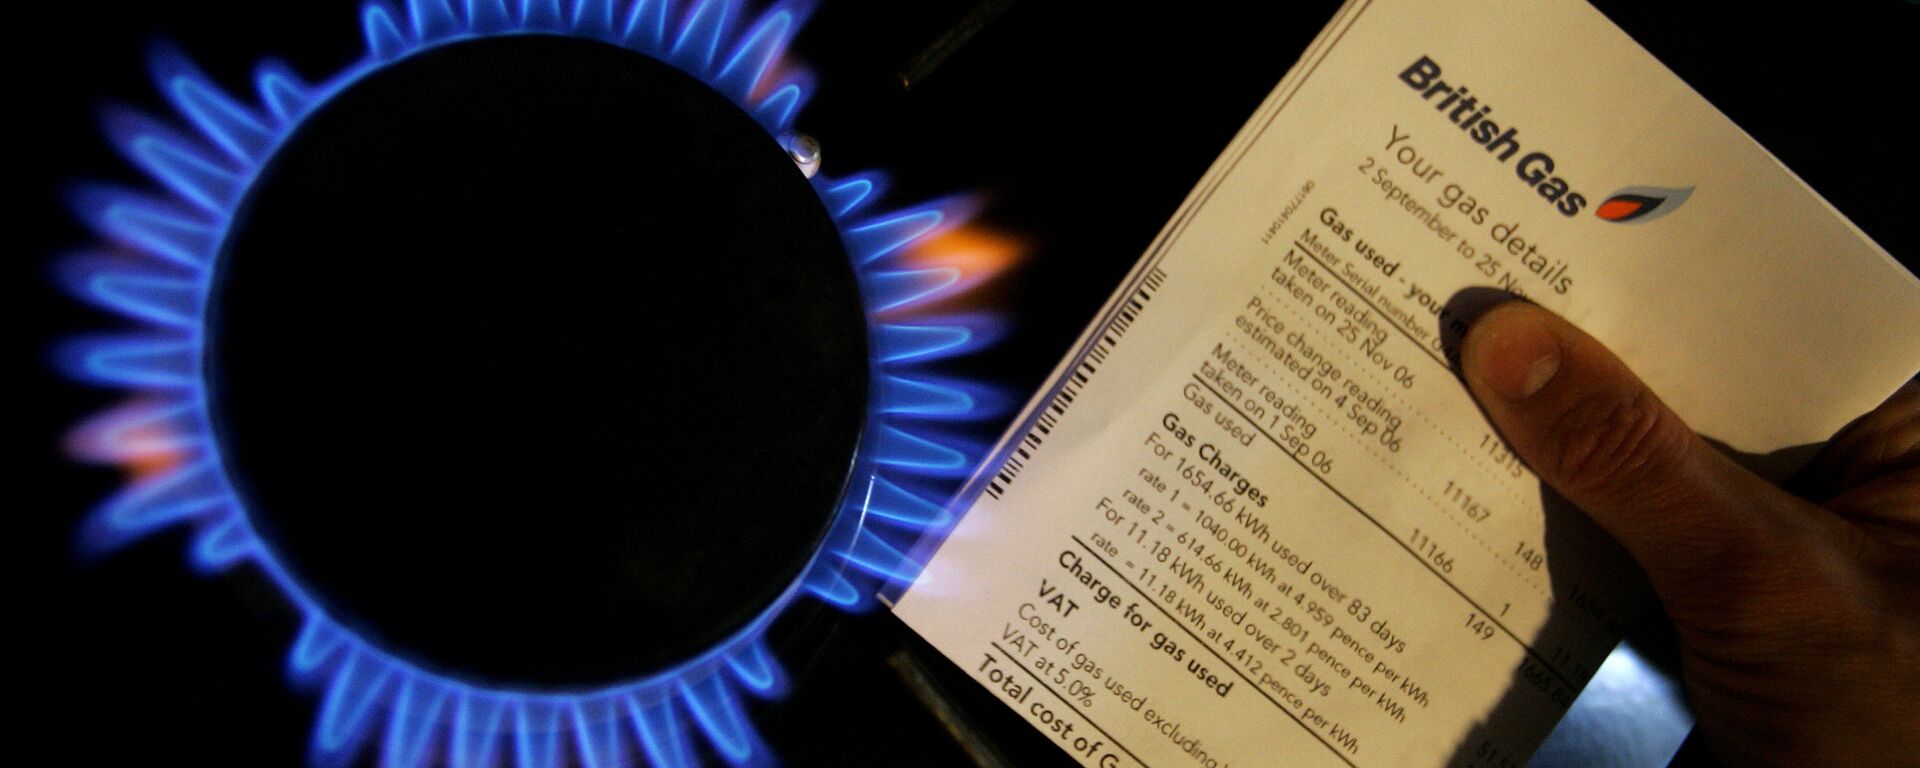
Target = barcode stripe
(1081,375)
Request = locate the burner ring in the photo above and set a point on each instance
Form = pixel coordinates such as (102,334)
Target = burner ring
(503,357)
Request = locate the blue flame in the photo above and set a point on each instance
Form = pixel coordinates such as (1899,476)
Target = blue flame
(155,269)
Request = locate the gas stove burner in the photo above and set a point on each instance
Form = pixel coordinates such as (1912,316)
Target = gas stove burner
(546,445)
(530,359)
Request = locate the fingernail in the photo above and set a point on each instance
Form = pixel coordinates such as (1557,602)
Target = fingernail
(1511,351)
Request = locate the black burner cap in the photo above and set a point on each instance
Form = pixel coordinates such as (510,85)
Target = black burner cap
(537,361)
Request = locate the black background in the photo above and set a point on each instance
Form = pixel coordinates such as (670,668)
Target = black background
(1085,122)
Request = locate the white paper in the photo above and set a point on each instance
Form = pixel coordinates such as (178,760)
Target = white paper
(1255,520)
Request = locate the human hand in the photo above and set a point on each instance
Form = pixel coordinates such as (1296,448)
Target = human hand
(1798,618)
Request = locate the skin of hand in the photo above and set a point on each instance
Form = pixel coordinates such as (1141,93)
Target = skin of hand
(1798,615)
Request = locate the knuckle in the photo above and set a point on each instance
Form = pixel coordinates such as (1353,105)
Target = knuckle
(1887,434)
(1895,443)
(1609,440)
(1884,441)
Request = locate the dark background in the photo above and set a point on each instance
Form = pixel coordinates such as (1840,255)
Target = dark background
(1086,123)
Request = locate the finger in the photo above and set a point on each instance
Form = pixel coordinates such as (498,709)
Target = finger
(1694,520)
(1886,507)
(1884,441)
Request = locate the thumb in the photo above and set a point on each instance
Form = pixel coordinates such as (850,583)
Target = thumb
(1589,428)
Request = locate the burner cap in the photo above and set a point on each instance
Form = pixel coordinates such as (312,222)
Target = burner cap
(537,362)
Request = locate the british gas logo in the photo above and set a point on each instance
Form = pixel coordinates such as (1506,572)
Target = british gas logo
(1536,168)
(1641,204)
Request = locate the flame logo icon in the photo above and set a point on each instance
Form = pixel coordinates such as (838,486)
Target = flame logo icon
(1638,204)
